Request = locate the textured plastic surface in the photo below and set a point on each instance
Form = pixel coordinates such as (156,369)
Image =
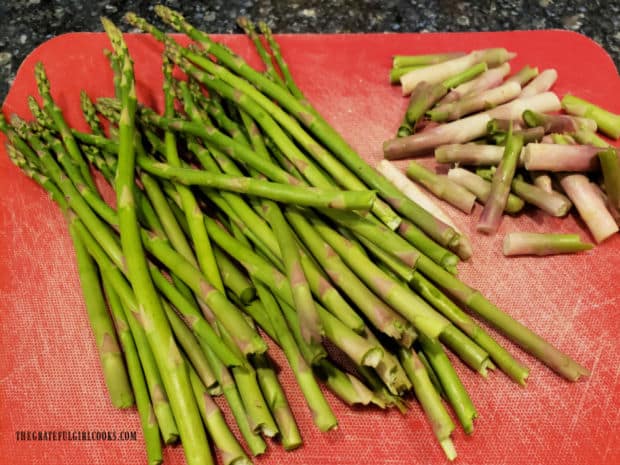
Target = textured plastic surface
(50,377)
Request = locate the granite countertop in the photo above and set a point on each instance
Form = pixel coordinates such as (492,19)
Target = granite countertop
(24,24)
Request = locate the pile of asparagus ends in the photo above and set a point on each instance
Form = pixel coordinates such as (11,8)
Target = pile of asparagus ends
(469,111)
(241,213)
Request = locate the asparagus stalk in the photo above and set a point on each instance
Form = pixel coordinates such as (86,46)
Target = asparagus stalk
(309,320)
(443,188)
(298,195)
(553,202)
(148,420)
(515,331)
(590,206)
(249,28)
(55,114)
(610,166)
(277,55)
(415,194)
(523,243)
(190,347)
(429,400)
(159,334)
(541,83)
(234,279)
(230,449)
(110,355)
(500,186)
(455,391)
(193,214)
(278,404)
(322,414)
(608,123)
(441,71)
(466,323)
(560,157)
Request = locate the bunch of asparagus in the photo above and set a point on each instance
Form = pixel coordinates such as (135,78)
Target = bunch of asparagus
(240,208)
(463,109)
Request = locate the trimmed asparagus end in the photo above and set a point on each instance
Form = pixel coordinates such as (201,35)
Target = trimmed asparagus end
(448,448)
(523,243)
(608,122)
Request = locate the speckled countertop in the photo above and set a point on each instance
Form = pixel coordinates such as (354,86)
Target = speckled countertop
(24,24)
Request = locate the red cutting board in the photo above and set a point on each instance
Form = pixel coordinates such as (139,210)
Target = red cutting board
(50,377)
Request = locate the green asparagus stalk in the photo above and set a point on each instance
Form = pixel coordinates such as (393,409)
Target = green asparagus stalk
(55,114)
(277,55)
(397,72)
(515,331)
(277,402)
(233,278)
(429,400)
(159,334)
(455,391)
(191,347)
(249,28)
(148,420)
(110,355)
(322,414)
(193,214)
(230,449)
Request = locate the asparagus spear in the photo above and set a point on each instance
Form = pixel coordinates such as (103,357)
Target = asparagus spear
(167,355)
(429,400)
(110,355)
(143,403)
(455,391)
